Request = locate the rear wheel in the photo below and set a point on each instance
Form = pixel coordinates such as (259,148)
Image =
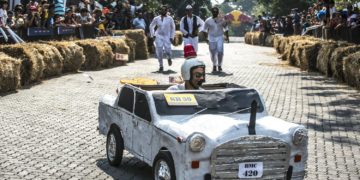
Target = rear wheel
(114,147)
(163,167)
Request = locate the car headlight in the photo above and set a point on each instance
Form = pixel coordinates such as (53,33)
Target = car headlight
(299,136)
(197,143)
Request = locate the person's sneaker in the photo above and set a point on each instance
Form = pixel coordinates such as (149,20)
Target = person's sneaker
(220,69)
(214,69)
(169,62)
(161,69)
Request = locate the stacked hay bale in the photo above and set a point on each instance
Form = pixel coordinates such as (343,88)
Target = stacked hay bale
(9,73)
(32,64)
(98,54)
(248,37)
(352,69)
(256,37)
(308,57)
(269,41)
(118,46)
(277,42)
(72,53)
(337,60)
(132,49)
(137,35)
(178,40)
(324,55)
(53,61)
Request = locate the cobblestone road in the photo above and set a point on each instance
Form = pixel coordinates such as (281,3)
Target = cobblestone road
(48,131)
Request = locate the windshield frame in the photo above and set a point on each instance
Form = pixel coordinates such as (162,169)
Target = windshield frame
(212,100)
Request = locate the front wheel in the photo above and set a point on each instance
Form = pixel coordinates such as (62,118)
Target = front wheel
(114,147)
(163,168)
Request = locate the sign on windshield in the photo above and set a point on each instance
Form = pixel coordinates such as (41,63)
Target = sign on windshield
(180,99)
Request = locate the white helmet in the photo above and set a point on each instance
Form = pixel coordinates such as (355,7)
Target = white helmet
(188,66)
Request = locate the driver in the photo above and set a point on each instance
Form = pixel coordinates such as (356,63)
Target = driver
(193,73)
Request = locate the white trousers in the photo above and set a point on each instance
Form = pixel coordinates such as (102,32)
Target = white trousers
(217,52)
(193,41)
(162,44)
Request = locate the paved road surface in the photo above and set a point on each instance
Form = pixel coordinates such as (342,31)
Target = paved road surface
(48,131)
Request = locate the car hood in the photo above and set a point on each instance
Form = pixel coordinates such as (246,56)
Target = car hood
(220,128)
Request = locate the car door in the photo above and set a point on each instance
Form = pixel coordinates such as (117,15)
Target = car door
(125,115)
(142,130)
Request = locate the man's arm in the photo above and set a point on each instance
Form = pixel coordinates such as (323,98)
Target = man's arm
(182,27)
(172,30)
(152,27)
(200,24)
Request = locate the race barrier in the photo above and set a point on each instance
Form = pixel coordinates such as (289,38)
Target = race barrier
(340,60)
(27,63)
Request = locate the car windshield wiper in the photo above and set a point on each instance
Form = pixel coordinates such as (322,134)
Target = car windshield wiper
(196,113)
(237,111)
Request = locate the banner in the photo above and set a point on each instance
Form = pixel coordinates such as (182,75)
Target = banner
(38,31)
(65,30)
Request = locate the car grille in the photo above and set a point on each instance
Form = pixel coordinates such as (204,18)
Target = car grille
(272,152)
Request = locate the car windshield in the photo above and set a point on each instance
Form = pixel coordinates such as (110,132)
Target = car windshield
(209,102)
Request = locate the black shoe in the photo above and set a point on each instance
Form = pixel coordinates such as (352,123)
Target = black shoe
(220,69)
(161,69)
(214,69)
(169,62)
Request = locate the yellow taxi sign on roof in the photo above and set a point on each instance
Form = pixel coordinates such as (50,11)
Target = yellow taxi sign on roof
(139,81)
(181,99)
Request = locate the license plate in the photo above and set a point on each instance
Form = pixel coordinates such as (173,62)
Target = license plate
(250,170)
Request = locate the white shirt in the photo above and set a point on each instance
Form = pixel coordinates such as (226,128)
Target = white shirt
(200,24)
(177,87)
(180,87)
(215,28)
(3,16)
(165,27)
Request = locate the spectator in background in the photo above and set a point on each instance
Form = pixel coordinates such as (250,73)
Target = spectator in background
(70,18)
(3,13)
(84,18)
(32,7)
(99,23)
(10,21)
(289,28)
(139,21)
(85,4)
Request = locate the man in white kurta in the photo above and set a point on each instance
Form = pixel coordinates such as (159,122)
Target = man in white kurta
(215,26)
(190,25)
(164,35)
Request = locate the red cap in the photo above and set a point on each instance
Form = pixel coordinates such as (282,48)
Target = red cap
(189,51)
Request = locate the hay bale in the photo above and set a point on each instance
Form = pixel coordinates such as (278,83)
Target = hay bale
(277,41)
(324,55)
(283,44)
(9,73)
(53,61)
(72,53)
(352,69)
(178,38)
(32,64)
(269,41)
(118,46)
(308,57)
(137,35)
(255,40)
(248,37)
(98,54)
(132,49)
(337,60)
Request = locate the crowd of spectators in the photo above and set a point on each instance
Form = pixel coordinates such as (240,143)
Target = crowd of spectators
(100,15)
(324,20)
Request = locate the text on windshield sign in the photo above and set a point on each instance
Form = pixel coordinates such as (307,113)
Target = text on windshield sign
(181,100)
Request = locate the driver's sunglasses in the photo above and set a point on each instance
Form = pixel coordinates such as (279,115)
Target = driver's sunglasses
(199,75)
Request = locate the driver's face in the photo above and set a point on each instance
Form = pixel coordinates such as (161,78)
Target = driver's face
(198,77)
